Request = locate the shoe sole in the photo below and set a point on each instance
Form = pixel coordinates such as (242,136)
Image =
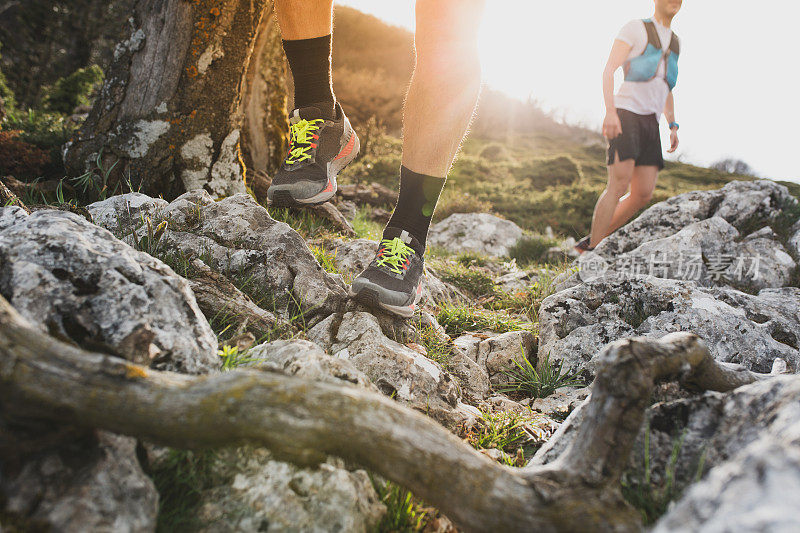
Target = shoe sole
(371,298)
(284,197)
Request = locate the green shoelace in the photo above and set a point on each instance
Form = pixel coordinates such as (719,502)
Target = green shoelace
(395,255)
(301,139)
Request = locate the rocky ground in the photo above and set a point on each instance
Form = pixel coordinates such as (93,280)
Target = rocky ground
(197,286)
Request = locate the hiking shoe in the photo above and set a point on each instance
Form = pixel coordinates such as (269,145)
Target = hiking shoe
(583,245)
(393,281)
(318,150)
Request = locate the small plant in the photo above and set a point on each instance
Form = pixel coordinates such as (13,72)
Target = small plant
(304,221)
(524,379)
(150,241)
(233,358)
(514,434)
(74,90)
(502,431)
(438,350)
(364,226)
(468,259)
(325,259)
(96,179)
(403,512)
(651,501)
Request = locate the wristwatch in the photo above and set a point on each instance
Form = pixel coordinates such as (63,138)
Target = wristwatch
(674,125)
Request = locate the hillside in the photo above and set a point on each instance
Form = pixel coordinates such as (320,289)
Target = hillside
(517,162)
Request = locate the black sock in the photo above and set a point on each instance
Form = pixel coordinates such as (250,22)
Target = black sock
(415,204)
(310,62)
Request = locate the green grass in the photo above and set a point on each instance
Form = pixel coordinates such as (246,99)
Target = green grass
(404,513)
(536,180)
(651,501)
(325,259)
(525,380)
(437,349)
(528,301)
(532,249)
(517,435)
(457,319)
(180,478)
(365,227)
(303,221)
(471,279)
(469,259)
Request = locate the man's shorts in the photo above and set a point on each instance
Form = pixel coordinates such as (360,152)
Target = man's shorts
(640,140)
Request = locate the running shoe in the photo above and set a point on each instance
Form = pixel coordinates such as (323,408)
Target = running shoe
(318,150)
(393,280)
(583,245)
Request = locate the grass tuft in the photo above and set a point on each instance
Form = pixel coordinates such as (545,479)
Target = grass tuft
(404,512)
(532,249)
(458,319)
(525,380)
(181,477)
(325,259)
(651,501)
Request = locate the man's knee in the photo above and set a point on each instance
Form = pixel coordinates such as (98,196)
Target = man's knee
(618,185)
(642,197)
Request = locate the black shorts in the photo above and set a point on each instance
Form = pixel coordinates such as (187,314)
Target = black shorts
(640,140)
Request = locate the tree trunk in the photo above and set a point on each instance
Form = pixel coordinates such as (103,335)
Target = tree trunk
(170,115)
(304,421)
(264,101)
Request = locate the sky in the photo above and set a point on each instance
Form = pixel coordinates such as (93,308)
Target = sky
(737,89)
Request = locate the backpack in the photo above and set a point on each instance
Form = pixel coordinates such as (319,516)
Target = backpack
(645,66)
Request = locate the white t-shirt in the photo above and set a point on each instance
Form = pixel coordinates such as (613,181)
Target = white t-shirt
(643,97)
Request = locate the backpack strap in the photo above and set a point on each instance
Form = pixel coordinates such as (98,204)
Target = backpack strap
(675,45)
(652,33)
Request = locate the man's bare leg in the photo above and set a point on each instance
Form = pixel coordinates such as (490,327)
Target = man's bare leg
(438,109)
(445,85)
(304,19)
(322,140)
(642,185)
(619,178)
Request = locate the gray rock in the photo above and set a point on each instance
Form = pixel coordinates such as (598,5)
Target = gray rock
(743,445)
(712,428)
(306,359)
(503,352)
(747,442)
(738,202)
(262,494)
(472,378)
(257,492)
(475,232)
(561,403)
(757,490)
(91,483)
(10,215)
(396,369)
(709,253)
(238,238)
(468,345)
(125,213)
(794,240)
(515,281)
(70,277)
(738,327)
